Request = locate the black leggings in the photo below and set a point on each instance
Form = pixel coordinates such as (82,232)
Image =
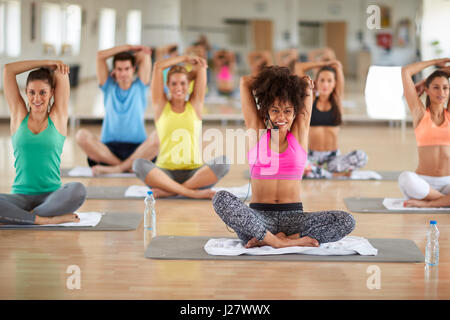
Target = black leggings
(16,208)
(256,220)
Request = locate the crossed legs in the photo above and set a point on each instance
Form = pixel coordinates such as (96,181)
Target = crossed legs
(99,152)
(424,190)
(189,183)
(49,208)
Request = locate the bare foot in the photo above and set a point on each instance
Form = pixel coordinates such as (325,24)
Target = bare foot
(307,242)
(342,174)
(160,193)
(253,243)
(195,194)
(288,241)
(281,235)
(415,203)
(256,243)
(99,169)
(203,194)
(70,217)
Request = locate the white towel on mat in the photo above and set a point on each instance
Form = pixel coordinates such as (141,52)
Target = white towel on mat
(137,191)
(397,204)
(87,219)
(365,175)
(346,246)
(240,192)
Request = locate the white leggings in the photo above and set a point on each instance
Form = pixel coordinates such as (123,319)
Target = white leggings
(416,186)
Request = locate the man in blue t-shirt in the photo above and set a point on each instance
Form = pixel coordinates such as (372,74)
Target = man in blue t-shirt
(123,137)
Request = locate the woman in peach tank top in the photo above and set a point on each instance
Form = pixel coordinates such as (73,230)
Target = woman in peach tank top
(431,180)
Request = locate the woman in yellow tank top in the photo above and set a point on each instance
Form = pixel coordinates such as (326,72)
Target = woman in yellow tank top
(179,169)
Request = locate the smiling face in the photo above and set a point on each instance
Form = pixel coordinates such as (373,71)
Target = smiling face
(438,90)
(178,85)
(282,115)
(326,82)
(38,93)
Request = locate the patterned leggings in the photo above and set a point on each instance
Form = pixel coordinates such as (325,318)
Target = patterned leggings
(256,220)
(322,164)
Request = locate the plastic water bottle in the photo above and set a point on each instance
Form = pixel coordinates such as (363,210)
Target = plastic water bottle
(432,247)
(149,217)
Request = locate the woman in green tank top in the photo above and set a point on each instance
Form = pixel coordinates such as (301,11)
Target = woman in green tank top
(38,130)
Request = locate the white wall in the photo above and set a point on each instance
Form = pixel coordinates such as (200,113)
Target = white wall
(435,26)
(161,22)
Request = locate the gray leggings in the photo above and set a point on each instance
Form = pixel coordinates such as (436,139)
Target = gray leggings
(254,222)
(15,208)
(323,163)
(220,166)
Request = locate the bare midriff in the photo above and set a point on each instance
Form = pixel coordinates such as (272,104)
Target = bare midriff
(323,138)
(275,191)
(434,161)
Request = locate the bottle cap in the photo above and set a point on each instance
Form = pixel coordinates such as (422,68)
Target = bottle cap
(433,222)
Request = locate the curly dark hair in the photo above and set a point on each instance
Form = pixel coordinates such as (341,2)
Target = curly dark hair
(278,83)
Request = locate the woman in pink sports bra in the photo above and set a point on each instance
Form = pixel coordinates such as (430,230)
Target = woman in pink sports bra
(277,156)
(224,64)
(431,180)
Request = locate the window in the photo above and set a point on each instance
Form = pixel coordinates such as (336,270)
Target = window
(237,31)
(71,29)
(389,105)
(2,28)
(61,28)
(107,29)
(51,28)
(10,27)
(311,34)
(134,27)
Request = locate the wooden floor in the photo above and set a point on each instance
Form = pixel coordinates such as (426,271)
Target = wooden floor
(33,264)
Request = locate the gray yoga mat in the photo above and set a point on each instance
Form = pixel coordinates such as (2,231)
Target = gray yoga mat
(375,205)
(191,248)
(111,221)
(65,174)
(385,175)
(109,193)
(118,193)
